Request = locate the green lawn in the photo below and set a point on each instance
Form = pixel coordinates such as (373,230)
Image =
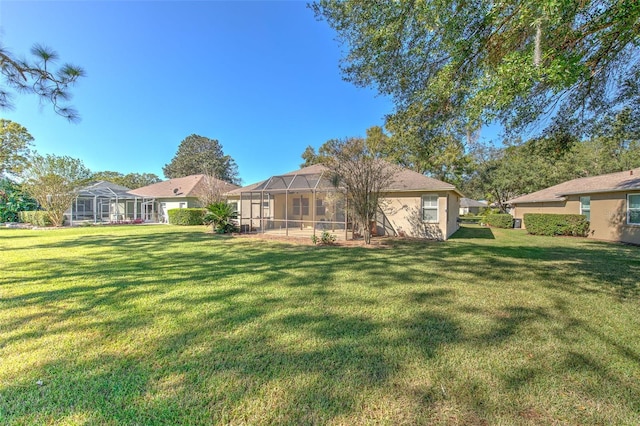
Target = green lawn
(171,325)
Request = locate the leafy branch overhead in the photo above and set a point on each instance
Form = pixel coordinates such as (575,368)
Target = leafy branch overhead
(41,77)
(464,64)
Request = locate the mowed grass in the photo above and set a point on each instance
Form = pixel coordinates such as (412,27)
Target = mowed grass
(172,325)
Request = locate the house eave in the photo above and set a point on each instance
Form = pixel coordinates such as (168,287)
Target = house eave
(539,200)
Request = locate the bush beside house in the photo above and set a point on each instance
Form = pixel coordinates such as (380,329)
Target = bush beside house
(499,220)
(35,218)
(190,216)
(556,224)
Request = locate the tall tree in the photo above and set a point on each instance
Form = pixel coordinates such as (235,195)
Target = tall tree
(212,190)
(38,76)
(138,180)
(310,157)
(468,63)
(201,155)
(363,173)
(15,142)
(615,145)
(130,180)
(53,182)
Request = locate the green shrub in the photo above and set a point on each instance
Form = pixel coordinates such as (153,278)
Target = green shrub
(556,224)
(35,217)
(186,216)
(220,216)
(325,238)
(499,220)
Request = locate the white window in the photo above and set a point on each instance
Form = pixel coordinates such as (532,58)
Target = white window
(585,207)
(633,209)
(430,208)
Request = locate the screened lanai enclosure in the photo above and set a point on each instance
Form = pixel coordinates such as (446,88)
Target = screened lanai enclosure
(106,202)
(300,204)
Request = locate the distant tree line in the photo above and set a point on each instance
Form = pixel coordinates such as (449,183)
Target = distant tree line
(498,173)
(30,181)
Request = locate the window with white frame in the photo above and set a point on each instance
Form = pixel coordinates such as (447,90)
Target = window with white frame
(585,207)
(633,209)
(430,208)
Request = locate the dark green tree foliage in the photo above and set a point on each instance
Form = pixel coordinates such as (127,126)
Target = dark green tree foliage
(464,64)
(200,155)
(13,200)
(40,76)
(615,145)
(556,156)
(15,142)
(310,157)
(130,180)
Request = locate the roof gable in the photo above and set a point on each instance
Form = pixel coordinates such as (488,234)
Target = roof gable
(612,182)
(404,180)
(103,188)
(188,186)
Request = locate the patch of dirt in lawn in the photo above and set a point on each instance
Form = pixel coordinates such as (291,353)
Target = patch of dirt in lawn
(376,242)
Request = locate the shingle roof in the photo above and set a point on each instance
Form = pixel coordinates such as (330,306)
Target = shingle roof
(404,180)
(188,186)
(408,180)
(468,202)
(612,182)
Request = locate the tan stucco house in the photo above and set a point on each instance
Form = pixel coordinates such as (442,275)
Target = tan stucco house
(179,193)
(304,202)
(469,206)
(611,202)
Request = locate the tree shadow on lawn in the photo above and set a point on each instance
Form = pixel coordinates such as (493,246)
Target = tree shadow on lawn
(336,360)
(473,233)
(270,337)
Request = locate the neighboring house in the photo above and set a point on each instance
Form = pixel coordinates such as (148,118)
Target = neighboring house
(179,193)
(304,202)
(611,202)
(104,201)
(467,205)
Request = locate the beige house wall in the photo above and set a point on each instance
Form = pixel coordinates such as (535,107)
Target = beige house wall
(404,212)
(608,215)
(453,209)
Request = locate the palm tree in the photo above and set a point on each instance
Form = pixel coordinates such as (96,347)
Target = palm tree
(220,216)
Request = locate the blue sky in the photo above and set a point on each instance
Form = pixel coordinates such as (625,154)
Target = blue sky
(261,77)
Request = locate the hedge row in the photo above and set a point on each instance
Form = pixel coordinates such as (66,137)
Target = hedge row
(556,224)
(499,220)
(186,216)
(34,217)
